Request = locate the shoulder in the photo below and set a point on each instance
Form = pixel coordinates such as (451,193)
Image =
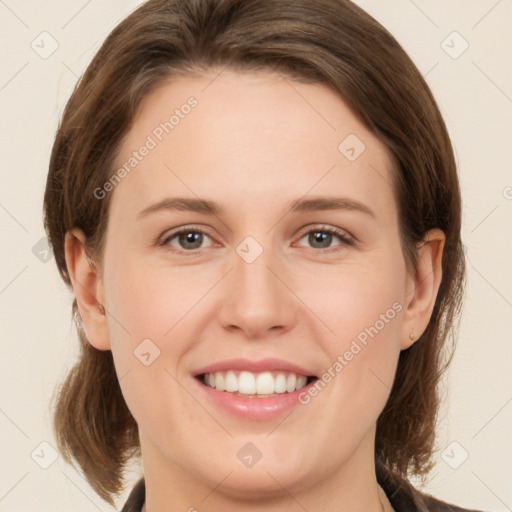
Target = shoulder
(433,504)
(404,497)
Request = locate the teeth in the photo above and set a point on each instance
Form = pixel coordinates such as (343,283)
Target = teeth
(248,383)
(291,383)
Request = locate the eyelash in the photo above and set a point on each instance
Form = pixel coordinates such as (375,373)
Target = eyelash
(344,238)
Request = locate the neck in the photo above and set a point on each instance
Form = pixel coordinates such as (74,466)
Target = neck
(384,502)
(352,486)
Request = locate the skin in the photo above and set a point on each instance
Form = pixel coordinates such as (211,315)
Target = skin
(254,143)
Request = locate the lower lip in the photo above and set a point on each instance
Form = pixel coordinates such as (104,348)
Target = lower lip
(254,408)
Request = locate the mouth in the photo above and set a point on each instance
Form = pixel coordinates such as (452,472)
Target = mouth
(254,390)
(265,384)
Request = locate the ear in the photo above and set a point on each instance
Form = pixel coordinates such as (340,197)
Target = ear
(423,287)
(88,289)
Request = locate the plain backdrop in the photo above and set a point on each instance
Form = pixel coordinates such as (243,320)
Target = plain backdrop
(462,47)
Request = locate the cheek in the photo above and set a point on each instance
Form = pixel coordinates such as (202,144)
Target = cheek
(150,299)
(367,312)
(356,300)
(147,325)
(362,306)
(156,314)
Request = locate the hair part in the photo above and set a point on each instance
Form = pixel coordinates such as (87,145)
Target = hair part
(332,42)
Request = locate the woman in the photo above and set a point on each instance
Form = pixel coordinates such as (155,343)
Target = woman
(257,207)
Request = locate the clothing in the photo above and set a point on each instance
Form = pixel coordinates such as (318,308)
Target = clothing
(403,498)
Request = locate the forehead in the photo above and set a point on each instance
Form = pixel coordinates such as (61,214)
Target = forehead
(249,136)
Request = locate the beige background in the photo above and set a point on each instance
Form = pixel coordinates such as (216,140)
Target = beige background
(474,92)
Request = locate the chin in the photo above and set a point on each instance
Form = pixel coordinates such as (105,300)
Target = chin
(247,484)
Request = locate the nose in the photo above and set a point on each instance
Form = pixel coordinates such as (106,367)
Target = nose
(256,298)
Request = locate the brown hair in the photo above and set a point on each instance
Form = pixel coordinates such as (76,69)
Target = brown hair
(333,42)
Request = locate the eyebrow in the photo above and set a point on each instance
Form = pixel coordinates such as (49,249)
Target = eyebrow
(299,205)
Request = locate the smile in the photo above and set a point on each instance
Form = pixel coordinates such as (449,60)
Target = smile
(255,385)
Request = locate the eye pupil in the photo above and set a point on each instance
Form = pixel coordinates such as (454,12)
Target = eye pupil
(192,238)
(321,237)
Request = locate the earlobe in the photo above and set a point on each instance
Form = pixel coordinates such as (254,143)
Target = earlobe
(423,288)
(88,289)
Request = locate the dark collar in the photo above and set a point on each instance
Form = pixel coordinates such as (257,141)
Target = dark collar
(136,498)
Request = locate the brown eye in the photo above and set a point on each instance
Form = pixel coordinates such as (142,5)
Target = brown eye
(190,240)
(186,240)
(323,238)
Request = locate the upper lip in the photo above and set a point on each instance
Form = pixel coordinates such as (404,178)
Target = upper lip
(269,364)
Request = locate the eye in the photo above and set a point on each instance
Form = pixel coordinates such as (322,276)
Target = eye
(322,237)
(191,238)
(186,239)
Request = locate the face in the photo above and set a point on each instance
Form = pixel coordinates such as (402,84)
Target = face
(294,262)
